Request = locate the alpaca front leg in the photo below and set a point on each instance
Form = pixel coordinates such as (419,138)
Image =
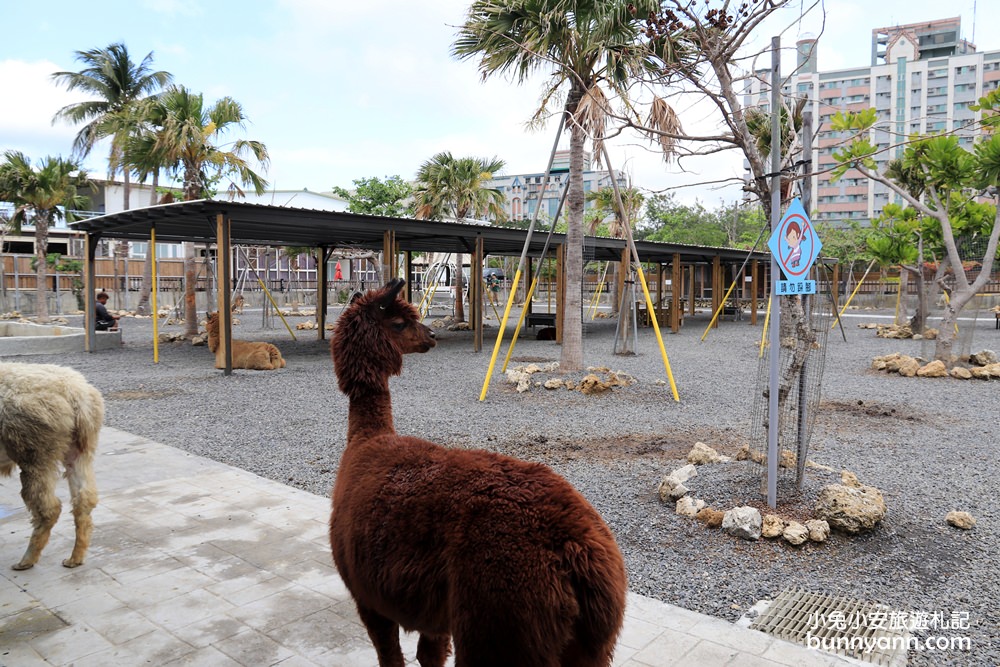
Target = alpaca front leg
(83,491)
(38,493)
(433,651)
(384,634)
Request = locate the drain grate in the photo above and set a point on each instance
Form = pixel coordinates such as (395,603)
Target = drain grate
(867,631)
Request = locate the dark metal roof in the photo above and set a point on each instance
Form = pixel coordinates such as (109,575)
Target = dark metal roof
(259,224)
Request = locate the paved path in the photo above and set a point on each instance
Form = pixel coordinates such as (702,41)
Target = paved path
(197,563)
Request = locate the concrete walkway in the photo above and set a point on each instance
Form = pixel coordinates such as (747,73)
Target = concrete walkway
(197,563)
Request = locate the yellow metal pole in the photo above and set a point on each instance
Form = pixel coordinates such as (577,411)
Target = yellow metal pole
(763,335)
(856,288)
(718,310)
(656,326)
(156,311)
(642,277)
(503,324)
(276,309)
(520,323)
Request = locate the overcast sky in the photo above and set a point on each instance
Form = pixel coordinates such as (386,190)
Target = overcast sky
(345,90)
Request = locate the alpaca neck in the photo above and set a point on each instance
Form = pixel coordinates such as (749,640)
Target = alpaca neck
(369,415)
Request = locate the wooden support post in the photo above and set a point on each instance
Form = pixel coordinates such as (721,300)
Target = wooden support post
(718,288)
(388,256)
(676,280)
(408,269)
(691,290)
(476,293)
(658,309)
(90,293)
(754,277)
(322,297)
(224,353)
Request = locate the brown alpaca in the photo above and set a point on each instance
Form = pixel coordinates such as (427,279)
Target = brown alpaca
(50,415)
(501,555)
(248,355)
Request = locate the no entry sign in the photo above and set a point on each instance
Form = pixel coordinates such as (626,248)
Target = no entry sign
(794,243)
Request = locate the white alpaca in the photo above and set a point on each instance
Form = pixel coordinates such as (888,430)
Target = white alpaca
(50,415)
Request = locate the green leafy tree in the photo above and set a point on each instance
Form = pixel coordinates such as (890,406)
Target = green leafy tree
(456,187)
(191,137)
(582,44)
(668,221)
(371,196)
(118,84)
(948,179)
(41,196)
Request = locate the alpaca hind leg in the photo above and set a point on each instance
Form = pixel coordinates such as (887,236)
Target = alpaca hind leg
(83,490)
(38,493)
(384,634)
(433,651)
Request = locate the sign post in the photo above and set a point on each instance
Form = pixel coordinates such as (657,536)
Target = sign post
(794,247)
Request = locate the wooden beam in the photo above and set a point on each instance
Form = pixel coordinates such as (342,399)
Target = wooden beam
(754,277)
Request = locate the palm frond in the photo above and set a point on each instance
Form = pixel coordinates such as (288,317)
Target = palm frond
(666,125)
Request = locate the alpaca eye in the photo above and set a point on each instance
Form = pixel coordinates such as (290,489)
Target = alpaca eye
(399,326)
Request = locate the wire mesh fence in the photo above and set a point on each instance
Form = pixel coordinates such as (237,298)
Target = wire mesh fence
(805,325)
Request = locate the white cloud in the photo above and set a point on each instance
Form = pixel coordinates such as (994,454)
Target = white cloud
(28,108)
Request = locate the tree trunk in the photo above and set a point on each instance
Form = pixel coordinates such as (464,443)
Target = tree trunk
(192,191)
(41,267)
(904,274)
(209,292)
(190,277)
(571,357)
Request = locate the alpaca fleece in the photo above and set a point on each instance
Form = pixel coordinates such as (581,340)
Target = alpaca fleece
(254,356)
(501,555)
(50,416)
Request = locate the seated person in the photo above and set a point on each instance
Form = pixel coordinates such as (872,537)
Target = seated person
(105,320)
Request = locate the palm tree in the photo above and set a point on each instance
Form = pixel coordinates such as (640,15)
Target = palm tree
(584,43)
(188,137)
(118,84)
(41,195)
(449,186)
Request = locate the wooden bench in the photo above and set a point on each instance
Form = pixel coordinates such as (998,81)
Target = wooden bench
(540,319)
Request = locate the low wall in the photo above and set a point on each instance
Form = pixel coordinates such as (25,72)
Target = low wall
(19,338)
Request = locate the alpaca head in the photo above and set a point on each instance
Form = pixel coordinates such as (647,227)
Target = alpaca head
(371,337)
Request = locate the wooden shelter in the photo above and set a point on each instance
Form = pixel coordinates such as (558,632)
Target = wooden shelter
(223,224)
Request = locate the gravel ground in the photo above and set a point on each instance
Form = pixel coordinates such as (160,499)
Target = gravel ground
(928,444)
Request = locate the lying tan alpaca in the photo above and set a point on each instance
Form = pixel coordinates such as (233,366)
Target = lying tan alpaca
(246,354)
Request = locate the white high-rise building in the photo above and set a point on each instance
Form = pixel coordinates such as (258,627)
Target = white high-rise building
(921,80)
(521,190)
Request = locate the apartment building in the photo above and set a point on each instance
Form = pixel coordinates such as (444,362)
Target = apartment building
(521,190)
(921,80)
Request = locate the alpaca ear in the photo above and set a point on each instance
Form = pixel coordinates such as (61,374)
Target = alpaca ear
(355,297)
(393,287)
